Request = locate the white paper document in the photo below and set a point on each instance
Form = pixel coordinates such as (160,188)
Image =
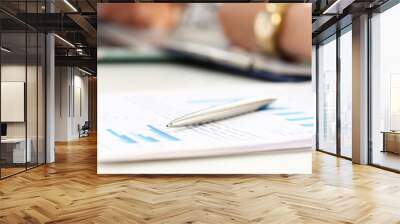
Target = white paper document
(132,127)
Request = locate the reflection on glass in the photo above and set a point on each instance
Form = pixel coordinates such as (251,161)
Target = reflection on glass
(394,102)
(327,96)
(346,94)
(385,114)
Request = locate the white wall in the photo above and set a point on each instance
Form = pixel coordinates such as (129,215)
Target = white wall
(11,73)
(71,102)
(14,73)
(62,82)
(81,83)
(79,103)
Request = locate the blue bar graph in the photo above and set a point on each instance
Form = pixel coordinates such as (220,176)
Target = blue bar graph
(300,118)
(162,134)
(123,138)
(156,135)
(147,138)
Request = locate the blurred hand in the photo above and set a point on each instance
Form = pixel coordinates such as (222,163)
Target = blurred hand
(294,39)
(159,16)
(237,20)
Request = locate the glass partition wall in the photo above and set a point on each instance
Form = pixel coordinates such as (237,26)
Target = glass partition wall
(334,94)
(385,89)
(22,77)
(13,89)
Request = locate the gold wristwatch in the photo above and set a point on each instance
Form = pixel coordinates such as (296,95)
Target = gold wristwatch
(266,27)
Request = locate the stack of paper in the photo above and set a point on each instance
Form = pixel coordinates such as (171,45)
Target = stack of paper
(132,127)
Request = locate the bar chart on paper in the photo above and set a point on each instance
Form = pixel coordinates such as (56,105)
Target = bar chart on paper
(154,135)
(133,127)
(298,117)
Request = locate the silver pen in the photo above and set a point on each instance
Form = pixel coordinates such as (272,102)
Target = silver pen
(220,112)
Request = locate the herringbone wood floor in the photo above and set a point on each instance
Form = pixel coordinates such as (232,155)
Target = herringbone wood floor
(69,191)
